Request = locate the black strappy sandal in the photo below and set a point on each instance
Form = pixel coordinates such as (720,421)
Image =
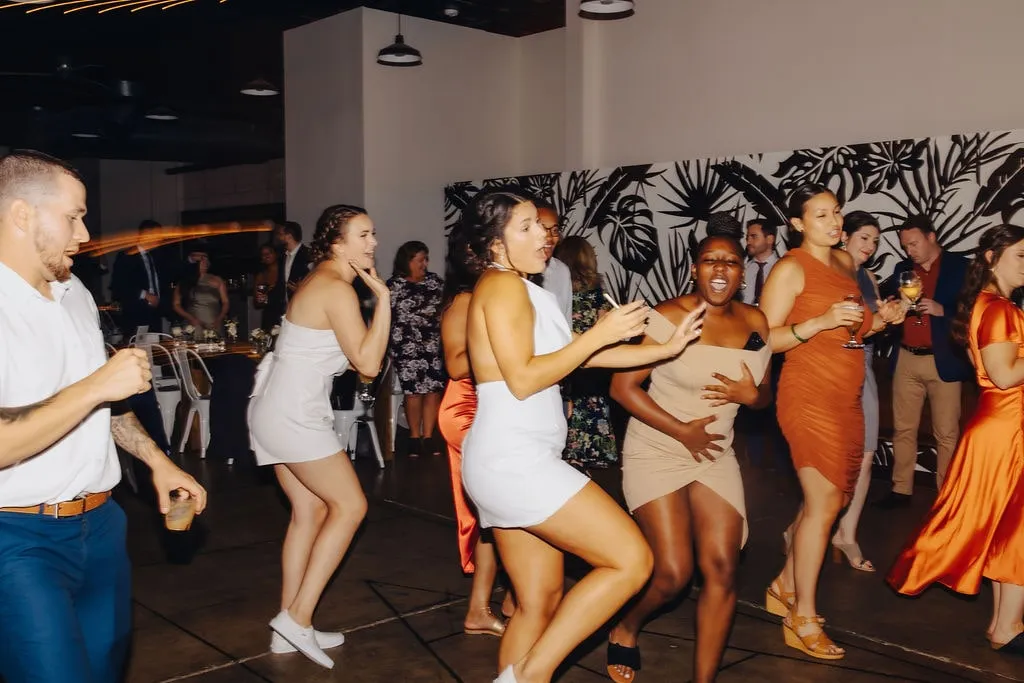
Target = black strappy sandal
(620,655)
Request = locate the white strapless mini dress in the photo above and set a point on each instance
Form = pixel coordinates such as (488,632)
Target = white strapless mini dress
(290,415)
(512,464)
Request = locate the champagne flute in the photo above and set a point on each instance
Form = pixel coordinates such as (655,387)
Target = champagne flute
(910,287)
(853,303)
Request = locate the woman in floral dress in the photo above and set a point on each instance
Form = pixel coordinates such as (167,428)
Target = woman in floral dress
(416,343)
(591,441)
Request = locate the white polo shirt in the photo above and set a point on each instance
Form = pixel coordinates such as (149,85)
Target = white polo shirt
(46,345)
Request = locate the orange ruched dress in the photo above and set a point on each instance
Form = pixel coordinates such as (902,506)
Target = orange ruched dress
(455,417)
(976,527)
(818,403)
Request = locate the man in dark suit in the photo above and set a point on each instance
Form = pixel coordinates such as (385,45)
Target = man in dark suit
(928,365)
(136,284)
(295,258)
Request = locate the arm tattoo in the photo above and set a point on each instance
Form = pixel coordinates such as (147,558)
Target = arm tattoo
(23,412)
(129,434)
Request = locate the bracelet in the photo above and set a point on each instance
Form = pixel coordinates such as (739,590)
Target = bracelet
(792,328)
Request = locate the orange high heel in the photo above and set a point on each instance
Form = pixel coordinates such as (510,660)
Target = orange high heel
(816,644)
(778,601)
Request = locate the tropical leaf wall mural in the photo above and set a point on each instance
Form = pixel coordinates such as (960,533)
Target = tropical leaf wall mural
(645,220)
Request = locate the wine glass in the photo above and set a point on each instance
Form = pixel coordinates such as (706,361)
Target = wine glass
(853,302)
(910,287)
(365,394)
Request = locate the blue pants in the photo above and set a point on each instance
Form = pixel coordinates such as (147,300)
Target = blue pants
(65,597)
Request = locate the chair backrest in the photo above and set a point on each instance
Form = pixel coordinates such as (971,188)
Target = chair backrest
(170,357)
(146,341)
(185,357)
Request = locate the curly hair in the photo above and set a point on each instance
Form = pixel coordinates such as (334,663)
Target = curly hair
(461,269)
(331,228)
(484,220)
(979,274)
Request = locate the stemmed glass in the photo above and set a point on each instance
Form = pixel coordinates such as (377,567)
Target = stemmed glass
(365,394)
(853,303)
(910,287)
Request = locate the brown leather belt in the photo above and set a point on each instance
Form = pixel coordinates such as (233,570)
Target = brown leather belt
(918,350)
(70,508)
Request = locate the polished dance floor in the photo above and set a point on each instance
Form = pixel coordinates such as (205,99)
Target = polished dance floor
(202,601)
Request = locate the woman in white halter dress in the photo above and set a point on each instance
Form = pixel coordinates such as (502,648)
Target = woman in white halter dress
(520,347)
(291,423)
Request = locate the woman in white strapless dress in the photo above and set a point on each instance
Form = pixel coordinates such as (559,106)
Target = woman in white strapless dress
(520,347)
(291,423)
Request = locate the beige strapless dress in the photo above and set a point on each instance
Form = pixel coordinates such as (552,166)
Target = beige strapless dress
(654,464)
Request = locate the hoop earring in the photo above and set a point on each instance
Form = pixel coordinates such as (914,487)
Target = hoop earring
(743,284)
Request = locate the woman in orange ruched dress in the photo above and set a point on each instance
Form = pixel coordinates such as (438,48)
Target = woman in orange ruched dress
(976,527)
(455,417)
(819,407)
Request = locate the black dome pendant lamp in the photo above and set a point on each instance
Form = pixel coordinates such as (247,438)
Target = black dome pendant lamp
(399,53)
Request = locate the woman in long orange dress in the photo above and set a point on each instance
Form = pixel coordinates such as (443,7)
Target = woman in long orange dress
(455,417)
(819,407)
(976,526)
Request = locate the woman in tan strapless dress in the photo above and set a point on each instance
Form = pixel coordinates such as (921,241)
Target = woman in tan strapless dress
(679,473)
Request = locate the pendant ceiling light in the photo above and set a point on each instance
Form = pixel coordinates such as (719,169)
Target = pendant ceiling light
(606,9)
(398,53)
(260,88)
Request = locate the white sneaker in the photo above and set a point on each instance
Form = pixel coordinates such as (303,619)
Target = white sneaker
(507,676)
(325,639)
(302,639)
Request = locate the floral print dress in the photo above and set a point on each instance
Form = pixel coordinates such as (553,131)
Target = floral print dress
(416,334)
(591,441)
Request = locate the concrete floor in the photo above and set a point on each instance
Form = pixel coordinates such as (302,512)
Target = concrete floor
(203,599)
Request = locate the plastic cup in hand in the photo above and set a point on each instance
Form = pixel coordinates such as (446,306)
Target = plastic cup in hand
(182,511)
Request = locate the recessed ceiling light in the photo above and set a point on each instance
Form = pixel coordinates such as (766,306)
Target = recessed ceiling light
(88,136)
(451,11)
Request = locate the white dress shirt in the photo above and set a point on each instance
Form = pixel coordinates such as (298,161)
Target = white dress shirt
(46,345)
(289,259)
(750,275)
(558,281)
(154,281)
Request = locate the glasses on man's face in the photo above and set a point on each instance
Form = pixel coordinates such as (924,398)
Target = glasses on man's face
(553,230)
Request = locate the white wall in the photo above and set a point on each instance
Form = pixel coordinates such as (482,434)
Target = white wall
(323,97)
(456,116)
(688,79)
(542,100)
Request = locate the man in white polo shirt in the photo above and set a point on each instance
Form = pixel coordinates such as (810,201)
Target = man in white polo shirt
(65,584)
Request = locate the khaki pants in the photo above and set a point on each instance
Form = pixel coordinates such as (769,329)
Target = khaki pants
(916,378)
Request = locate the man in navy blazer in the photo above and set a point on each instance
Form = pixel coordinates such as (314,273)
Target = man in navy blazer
(295,259)
(928,364)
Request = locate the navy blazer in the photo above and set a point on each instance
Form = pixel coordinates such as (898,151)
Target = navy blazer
(950,359)
(301,266)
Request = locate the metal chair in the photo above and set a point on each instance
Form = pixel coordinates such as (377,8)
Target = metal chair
(199,403)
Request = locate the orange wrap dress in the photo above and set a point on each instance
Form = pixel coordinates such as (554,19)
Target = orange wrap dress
(818,405)
(976,527)
(455,417)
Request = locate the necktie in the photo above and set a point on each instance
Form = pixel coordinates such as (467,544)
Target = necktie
(759,282)
(154,286)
